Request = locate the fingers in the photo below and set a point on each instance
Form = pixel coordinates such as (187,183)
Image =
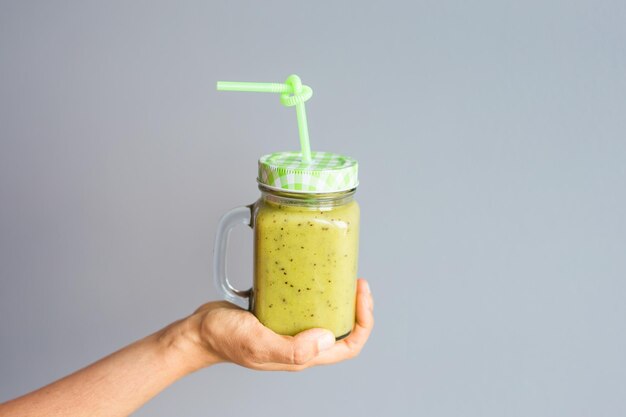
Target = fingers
(236,335)
(364,311)
(351,346)
(348,348)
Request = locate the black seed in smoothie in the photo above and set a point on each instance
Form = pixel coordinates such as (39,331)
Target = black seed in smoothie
(291,260)
(312,315)
(299,290)
(271,305)
(308,289)
(301,247)
(286,282)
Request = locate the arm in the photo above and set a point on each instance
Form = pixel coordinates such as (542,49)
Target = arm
(217,332)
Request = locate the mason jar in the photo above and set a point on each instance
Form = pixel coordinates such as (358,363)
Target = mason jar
(306,239)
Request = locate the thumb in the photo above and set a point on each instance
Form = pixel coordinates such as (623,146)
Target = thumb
(324,339)
(303,347)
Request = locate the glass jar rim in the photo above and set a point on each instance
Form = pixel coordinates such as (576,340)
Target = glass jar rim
(303,193)
(300,197)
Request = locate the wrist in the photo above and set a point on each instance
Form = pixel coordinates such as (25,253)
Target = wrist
(183,345)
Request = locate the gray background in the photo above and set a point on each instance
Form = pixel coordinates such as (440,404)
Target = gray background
(492,144)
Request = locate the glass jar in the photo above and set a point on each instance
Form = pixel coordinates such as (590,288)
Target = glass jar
(305,259)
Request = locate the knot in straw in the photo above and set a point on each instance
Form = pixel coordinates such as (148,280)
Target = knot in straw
(298,93)
(292,93)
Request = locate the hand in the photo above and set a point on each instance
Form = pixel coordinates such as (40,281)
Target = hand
(217,332)
(227,333)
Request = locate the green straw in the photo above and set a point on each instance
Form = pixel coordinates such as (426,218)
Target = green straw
(292,93)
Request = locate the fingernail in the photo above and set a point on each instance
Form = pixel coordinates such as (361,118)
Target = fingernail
(367,287)
(325,342)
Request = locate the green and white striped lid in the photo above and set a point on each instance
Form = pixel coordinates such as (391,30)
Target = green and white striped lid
(326,173)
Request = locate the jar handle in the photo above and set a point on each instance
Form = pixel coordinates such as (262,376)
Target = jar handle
(235,217)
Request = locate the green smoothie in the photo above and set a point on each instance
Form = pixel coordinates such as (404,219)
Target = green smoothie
(305,267)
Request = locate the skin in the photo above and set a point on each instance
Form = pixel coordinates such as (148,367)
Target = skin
(217,332)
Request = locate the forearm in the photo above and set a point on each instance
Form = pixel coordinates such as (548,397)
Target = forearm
(217,332)
(119,383)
